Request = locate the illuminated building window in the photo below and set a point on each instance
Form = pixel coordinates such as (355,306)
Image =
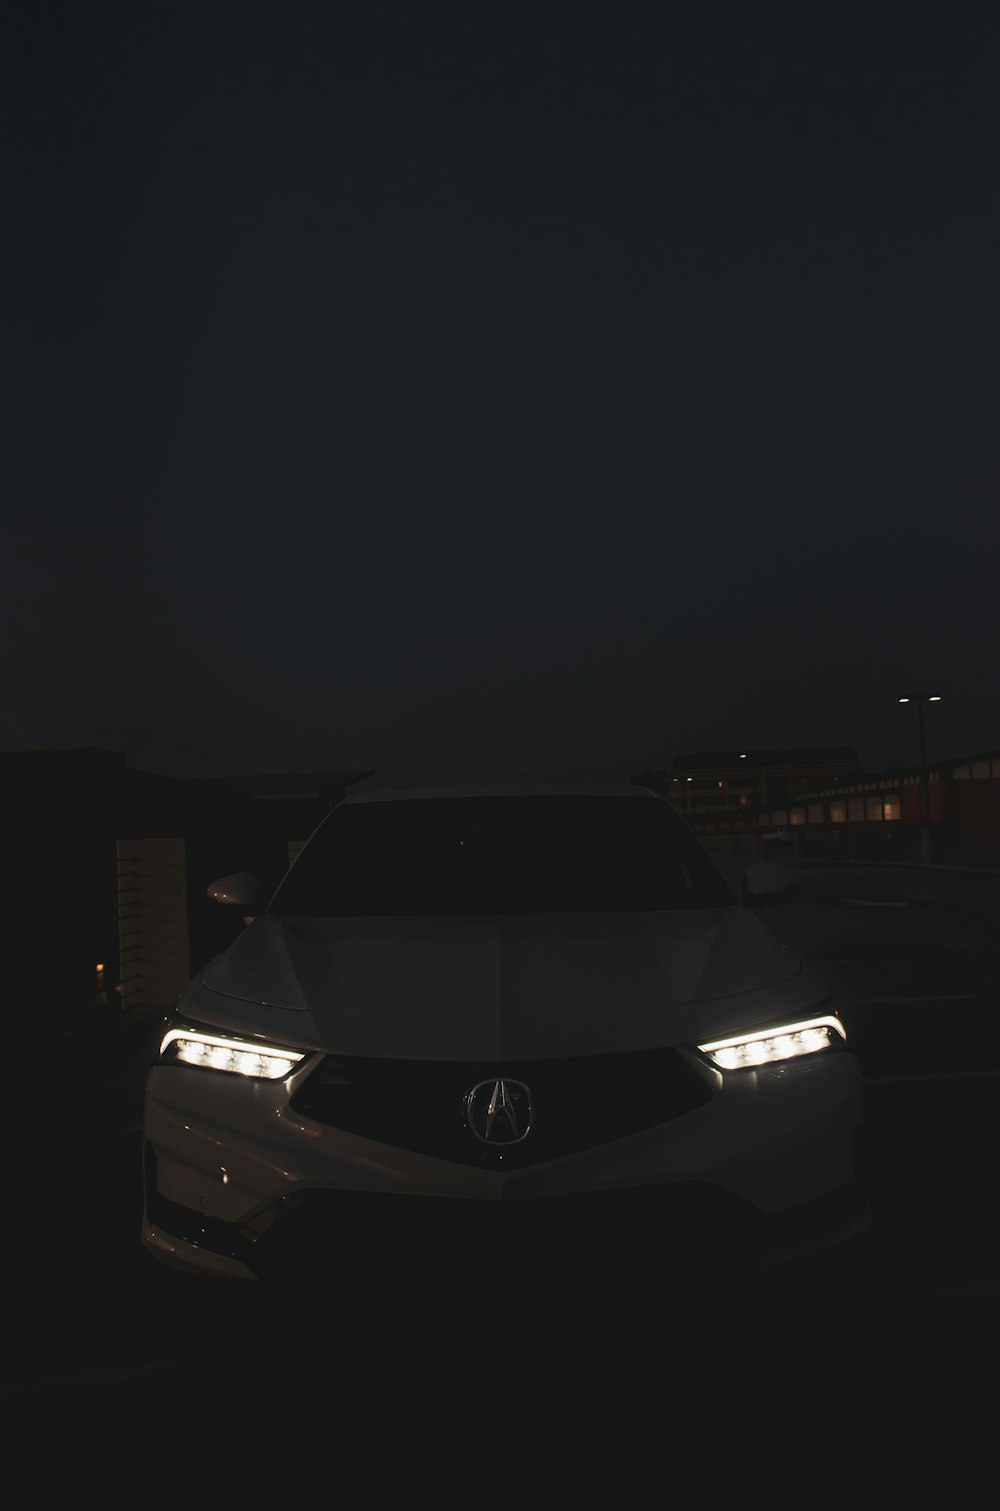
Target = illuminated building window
(874,807)
(838,813)
(856,809)
(892,809)
(798,815)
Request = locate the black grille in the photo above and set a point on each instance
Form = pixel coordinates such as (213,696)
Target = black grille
(577,1104)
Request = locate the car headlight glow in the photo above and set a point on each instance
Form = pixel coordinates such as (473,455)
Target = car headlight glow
(784,1043)
(193,1046)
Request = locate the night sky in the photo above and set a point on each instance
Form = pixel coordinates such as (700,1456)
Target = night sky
(522,386)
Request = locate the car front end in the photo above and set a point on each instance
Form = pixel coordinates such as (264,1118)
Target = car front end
(491,1094)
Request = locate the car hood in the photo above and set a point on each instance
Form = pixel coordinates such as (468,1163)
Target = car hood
(506,985)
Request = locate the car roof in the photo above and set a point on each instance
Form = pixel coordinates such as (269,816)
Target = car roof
(500,789)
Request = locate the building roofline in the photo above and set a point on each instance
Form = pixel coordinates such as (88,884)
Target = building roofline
(501,789)
(817,755)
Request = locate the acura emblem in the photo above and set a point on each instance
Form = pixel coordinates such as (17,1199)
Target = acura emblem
(499,1112)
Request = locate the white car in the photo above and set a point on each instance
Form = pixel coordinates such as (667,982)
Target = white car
(488,1026)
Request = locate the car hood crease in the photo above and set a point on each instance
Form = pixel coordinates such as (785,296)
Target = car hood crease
(502,986)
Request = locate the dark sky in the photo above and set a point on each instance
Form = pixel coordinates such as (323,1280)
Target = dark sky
(569,383)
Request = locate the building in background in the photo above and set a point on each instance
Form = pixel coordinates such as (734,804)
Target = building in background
(875,816)
(714,782)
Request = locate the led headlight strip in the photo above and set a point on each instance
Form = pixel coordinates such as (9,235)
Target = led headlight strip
(244,1058)
(770,1044)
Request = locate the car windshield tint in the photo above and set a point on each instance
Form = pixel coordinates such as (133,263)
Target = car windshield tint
(524,854)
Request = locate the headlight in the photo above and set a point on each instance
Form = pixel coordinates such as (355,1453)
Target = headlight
(786,1042)
(215,1051)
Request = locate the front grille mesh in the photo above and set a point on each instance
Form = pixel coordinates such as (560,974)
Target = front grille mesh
(578,1104)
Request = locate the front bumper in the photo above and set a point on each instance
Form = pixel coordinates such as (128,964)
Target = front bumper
(238,1184)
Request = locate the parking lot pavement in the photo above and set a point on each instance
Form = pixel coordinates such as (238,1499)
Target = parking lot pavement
(832,878)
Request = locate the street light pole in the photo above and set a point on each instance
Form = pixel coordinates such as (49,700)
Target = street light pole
(925,833)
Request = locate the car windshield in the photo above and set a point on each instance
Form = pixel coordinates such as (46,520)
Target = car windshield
(523,854)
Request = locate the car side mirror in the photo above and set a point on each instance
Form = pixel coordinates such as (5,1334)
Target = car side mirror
(240,890)
(767,883)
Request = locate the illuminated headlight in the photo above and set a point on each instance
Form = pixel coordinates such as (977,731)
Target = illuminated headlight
(784,1043)
(194,1046)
